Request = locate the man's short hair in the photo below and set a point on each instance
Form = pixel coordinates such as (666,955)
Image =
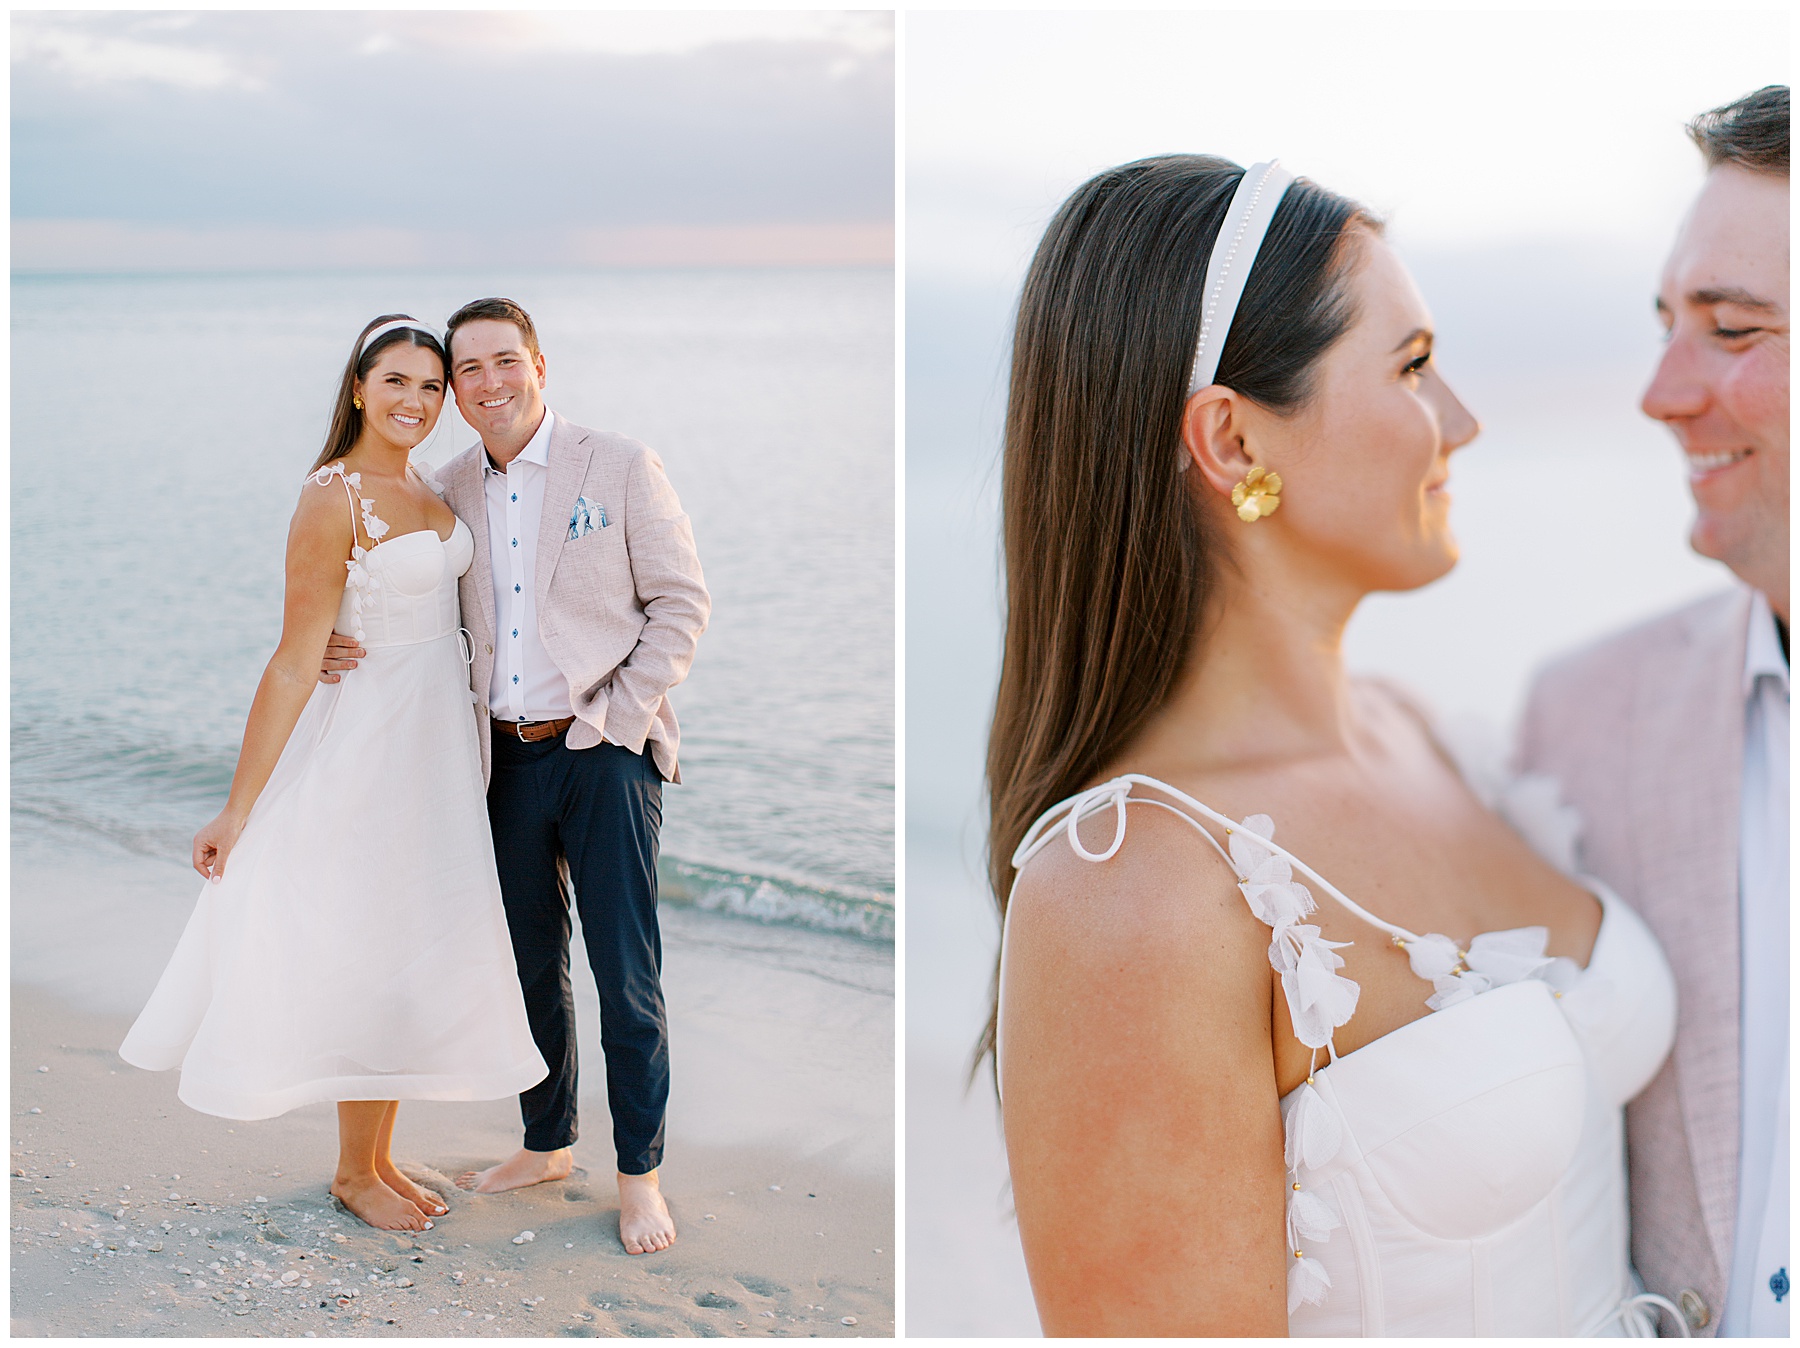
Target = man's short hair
(1751,132)
(504,310)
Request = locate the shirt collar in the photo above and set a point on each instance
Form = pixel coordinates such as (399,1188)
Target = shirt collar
(537,449)
(1762,652)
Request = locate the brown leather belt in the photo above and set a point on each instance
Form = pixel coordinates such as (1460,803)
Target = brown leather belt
(533,731)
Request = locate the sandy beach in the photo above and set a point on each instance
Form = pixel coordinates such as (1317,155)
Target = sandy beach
(133,1215)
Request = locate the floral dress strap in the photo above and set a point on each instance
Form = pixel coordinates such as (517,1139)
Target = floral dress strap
(1319,998)
(359,582)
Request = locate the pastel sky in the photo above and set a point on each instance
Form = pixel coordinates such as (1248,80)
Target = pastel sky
(349,137)
(1468,129)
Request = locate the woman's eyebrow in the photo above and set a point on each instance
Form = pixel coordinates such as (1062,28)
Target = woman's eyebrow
(1417,334)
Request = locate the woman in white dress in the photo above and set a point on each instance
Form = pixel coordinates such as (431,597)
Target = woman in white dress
(1368,1080)
(350,943)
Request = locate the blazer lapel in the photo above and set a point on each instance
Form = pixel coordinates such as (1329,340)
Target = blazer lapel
(1685,786)
(569,455)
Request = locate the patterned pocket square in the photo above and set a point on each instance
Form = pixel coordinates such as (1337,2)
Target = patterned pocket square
(586,518)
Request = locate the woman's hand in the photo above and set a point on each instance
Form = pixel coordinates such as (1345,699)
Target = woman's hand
(213,844)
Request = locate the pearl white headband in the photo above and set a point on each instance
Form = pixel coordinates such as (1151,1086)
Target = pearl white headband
(394,325)
(1253,205)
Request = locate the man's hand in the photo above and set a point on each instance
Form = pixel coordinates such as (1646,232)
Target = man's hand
(341,652)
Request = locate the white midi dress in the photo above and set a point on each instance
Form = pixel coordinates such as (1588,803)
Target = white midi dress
(356,947)
(1464,1174)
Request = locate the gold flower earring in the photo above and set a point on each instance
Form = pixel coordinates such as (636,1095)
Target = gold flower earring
(1257,495)
(356,402)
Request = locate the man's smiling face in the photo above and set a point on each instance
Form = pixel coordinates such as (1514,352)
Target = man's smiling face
(1722,383)
(498,380)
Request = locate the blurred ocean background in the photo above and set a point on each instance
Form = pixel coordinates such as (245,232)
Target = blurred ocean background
(161,425)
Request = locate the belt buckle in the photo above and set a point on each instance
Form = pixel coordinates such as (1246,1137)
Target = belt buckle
(519,730)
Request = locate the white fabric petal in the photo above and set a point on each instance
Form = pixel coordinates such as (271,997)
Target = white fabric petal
(1433,956)
(1310,1027)
(1280,904)
(1284,952)
(1561,973)
(1311,1216)
(1508,956)
(1452,989)
(1247,853)
(1315,1134)
(1307,1283)
(1325,992)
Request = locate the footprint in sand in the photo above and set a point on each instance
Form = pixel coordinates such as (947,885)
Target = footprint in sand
(715,1302)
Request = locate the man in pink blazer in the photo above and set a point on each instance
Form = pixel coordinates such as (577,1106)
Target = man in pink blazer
(1671,739)
(584,605)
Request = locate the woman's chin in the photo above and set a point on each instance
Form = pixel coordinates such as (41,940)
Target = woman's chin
(1427,565)
(405,439)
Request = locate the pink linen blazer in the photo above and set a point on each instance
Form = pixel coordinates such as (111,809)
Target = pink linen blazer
(1645,731)
(620,609)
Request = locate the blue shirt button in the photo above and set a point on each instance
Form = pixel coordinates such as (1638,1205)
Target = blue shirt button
(515,631)
(515,542)
(515,589)
(515,496)
(515,678)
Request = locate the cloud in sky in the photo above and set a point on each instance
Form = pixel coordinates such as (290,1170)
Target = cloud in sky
(139,135)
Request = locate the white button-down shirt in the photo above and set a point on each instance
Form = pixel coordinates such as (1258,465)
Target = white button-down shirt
(1757,1300)
(526,685)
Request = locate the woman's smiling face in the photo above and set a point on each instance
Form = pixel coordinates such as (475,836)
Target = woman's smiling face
(1365,463)
(402,394)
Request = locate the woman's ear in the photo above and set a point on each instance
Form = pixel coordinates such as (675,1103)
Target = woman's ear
(1213,425)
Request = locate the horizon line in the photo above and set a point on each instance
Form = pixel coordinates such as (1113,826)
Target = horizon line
(113,247)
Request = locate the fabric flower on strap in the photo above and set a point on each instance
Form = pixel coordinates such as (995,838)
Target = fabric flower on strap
(1493,959)
(1319,998)
(1313,1136)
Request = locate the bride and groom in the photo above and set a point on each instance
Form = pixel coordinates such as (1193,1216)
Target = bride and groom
(374,929)
(1398,1093)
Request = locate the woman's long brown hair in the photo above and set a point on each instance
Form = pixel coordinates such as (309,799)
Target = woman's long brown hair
(1109,559)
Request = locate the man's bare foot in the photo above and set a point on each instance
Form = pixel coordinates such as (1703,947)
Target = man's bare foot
(378,1205)
(520,1169)
(645,1225)
(417,1194)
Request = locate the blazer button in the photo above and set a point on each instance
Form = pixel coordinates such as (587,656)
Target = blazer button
(490,650)
(1694,1308)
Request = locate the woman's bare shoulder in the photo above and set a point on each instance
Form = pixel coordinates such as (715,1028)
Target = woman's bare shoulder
(1163,894)
(323,513)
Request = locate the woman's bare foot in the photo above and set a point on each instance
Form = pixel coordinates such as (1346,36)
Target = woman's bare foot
(518,1170)
(378,1205)
(645,1225)
(417,1194)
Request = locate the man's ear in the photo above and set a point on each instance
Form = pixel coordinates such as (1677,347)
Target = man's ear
(1213,426)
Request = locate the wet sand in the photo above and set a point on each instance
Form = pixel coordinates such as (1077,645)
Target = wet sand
(133,1215)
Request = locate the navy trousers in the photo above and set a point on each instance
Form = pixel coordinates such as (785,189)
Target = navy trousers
(580,825)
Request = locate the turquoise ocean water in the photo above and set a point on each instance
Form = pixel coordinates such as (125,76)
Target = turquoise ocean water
(161,427)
